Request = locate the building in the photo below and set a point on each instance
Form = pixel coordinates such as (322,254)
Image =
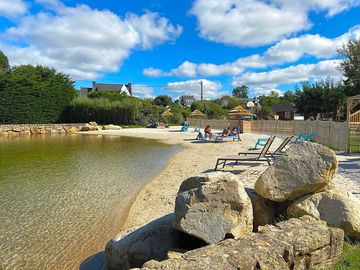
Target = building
(284,110)
(186,101)
(121,88)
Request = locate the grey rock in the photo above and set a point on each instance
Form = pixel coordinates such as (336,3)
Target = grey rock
(304,168)
(263,209)
(213,206)
(153,241)
(338,208)
(304,243)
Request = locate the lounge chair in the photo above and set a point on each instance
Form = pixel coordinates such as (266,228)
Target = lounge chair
(305,138)
(279,151)
(261,142)
(184,128)
(263,156)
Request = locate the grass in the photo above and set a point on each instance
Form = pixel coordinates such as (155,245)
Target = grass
(351,258)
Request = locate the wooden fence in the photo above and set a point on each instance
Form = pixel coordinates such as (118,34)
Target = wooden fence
(332,134)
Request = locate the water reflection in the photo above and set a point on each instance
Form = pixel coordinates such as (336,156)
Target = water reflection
(62,197)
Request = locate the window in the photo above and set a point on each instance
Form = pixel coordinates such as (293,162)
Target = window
(287,115)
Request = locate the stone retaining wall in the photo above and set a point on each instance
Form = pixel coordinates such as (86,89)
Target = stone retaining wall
(33,129)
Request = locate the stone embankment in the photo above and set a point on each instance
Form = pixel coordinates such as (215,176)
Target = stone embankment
(34,129)
(218,224)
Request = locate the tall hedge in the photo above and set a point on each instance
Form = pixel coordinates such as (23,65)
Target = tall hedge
(34,94)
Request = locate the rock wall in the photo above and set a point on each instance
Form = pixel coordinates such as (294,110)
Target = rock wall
(304,243)
(33,129)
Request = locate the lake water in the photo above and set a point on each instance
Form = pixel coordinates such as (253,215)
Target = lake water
(62,198)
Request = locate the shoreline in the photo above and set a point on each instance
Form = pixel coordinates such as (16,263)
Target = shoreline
(157,197)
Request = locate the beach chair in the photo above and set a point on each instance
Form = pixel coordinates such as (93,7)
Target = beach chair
(235,136)
(305,138)
(260,142)
(279,151)
(263,156)
(184,128)
(201,137)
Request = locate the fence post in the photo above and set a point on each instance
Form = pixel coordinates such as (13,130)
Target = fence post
(330,132)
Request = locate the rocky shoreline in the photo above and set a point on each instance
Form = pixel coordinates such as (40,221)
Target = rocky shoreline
(213,207)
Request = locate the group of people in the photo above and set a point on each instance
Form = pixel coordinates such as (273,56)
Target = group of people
(226,132)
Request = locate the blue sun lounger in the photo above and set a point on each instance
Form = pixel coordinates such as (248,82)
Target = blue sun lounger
(305,138)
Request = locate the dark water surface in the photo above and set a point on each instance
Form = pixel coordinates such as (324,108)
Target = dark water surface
(63,197)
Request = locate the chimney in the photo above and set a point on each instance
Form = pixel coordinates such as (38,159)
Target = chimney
(128,86)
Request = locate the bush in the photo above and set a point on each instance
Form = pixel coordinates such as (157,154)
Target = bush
(128,111)
(210,109)
(102,111)
(34,94)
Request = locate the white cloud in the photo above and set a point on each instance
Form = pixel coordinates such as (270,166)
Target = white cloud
(259,22)
(152,29)
(154,73)
(192,87)
(82,41)
(285,51)
(331,6)
(12,8)
(142,90)
(186,69)
(247,22)
(260,91)
(292,74)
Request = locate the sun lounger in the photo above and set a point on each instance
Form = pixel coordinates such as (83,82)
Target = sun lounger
(184,128)
(277,152)
(305,138)
(260,142)
(263,156)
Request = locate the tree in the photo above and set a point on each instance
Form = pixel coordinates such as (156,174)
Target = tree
(34,94)
(324,97)
(241,91)
(163,100)
(4,62)
(289,96)
(350,67)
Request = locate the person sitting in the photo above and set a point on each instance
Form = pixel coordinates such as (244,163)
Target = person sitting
(207,131)
(226,132)
(235,132)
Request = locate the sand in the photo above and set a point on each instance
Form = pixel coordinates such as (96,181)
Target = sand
(157,198)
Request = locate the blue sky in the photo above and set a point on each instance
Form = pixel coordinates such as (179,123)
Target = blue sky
(167,46)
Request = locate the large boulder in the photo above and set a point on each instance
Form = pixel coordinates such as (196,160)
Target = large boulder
(263,209)
(213,207)
(304,243)
(111,127)
(338,208)
(153,241)
(304,168)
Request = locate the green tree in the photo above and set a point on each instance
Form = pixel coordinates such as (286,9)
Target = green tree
(34,94)
(241,91)
(324,97)
(350,67)
(163,100)
(209,108)
(4,62)
(110,95)
(289,96)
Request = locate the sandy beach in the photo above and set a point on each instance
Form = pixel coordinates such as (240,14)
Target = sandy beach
(157,198)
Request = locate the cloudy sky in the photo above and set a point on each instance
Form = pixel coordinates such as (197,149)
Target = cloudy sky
(168,46)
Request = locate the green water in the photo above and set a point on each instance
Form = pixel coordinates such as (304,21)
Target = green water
(63,197)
